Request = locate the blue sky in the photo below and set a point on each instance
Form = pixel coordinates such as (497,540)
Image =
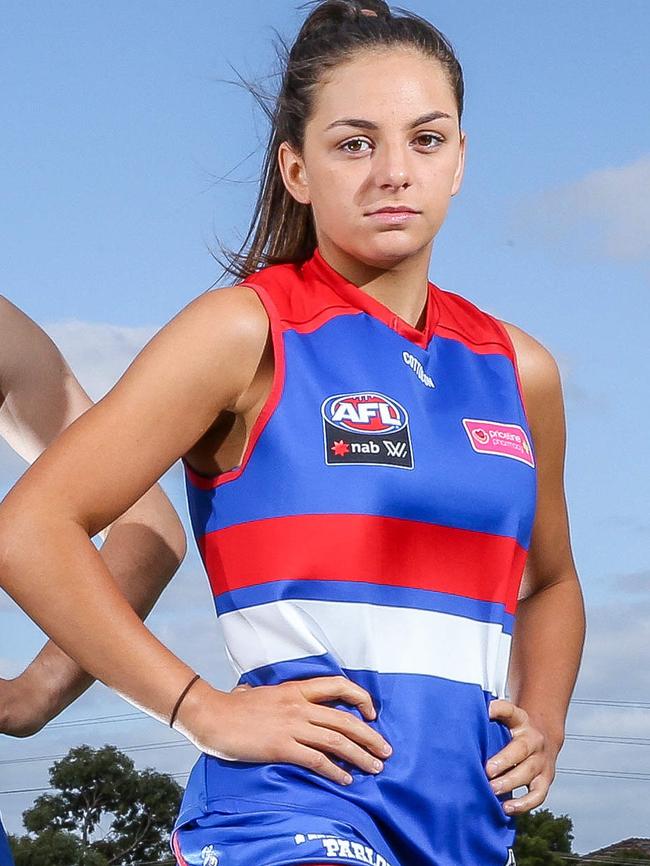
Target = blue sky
(118,127)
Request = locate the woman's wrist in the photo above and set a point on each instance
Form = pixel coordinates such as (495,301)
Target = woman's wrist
(552,728)
(198,709)
(181,697)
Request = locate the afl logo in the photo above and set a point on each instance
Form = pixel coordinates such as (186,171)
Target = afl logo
(365,413)
(366,427)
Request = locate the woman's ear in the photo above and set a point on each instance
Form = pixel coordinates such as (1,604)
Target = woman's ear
(294,175)
(460,170)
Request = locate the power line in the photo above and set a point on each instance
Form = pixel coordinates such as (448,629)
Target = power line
(99,720)
(606,774)
(574,771)
(601,738)
(50,788)
(144,747)
(164,744)
(126,717)
(641,705)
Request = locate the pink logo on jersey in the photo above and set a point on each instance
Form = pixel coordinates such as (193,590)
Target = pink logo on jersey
(494,437)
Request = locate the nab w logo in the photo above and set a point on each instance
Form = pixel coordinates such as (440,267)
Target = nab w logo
(396,449)
(366,427)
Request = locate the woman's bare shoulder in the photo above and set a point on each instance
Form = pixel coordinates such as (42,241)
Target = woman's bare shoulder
(233,309)
(227,326)
(538,368)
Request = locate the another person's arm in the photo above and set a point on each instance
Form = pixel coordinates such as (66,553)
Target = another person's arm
(202,363)
(550,624)
(143,548)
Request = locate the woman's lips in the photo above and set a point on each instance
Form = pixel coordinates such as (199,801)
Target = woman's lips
(393,217)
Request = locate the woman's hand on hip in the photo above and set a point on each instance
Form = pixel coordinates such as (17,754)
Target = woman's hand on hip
(528,760)
(286,722)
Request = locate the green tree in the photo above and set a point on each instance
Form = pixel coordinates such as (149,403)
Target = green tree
(541,836)
(104,813)
(53,848)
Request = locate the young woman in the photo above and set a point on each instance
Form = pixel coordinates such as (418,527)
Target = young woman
(375,478)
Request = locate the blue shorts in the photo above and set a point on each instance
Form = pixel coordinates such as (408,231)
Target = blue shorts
(237,833)
(268,835)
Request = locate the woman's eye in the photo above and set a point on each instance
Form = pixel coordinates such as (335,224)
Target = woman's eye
(430,141)
(353,141)
(430,135)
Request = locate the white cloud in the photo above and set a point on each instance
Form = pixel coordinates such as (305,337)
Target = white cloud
(606,213)
(98,353)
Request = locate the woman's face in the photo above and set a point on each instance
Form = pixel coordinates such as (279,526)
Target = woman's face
(388,153)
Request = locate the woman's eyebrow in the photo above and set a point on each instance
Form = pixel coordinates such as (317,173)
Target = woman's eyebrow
(368,124)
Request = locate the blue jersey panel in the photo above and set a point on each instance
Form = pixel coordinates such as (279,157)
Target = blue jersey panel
(467,385)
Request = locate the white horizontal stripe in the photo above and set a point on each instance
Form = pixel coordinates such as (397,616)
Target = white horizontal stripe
(362,636)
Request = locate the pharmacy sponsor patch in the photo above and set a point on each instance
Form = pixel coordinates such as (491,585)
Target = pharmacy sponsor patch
(495,437)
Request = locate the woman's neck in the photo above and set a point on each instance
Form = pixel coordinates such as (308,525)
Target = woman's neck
(402,287)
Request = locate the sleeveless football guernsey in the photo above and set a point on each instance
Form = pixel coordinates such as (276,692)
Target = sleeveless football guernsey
(377,528)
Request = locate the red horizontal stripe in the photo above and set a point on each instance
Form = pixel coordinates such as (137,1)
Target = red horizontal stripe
(361,547)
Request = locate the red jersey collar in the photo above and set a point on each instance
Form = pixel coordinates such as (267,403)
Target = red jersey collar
(317,267)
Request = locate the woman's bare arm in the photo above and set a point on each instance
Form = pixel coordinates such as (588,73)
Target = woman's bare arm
(201,363)
(550,625)
(39,398)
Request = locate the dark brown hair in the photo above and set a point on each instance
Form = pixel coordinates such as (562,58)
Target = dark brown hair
(282,228)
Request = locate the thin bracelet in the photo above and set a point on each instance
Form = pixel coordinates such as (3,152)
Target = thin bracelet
(183,693)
